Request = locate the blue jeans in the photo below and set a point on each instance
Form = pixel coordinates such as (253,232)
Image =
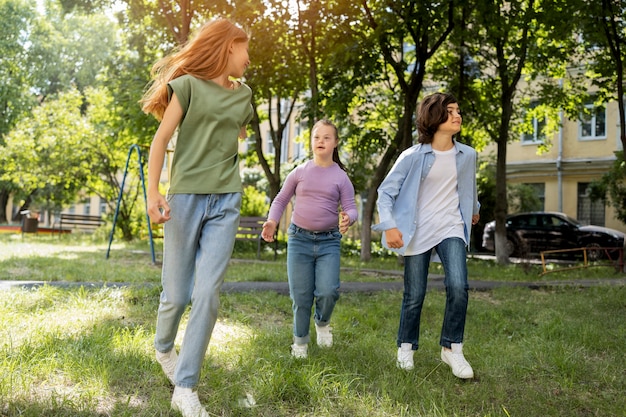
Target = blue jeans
(198,243)
(452,253)
(313,272)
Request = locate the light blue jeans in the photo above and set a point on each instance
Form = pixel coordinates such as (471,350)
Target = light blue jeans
(198,243)
(452,253)
(313,273)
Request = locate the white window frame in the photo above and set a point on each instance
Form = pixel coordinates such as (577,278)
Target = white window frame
(592,122)
(537,136)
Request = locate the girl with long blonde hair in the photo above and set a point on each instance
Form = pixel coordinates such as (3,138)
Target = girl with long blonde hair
(196,93)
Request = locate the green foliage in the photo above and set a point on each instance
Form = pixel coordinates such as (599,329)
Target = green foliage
(17,18)
(523,198)
(48,155)
(363,64)
(612,185)
(254,202)
(69,51)
(486,184)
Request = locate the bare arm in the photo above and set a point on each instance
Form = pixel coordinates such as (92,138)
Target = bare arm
(158,209)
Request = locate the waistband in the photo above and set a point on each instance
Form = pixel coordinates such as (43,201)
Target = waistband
(314,233)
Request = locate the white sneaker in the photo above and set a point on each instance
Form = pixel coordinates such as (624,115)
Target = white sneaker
(186,401)
(460,367)
(324,335)
(168,362)
(405,356)
(299,351)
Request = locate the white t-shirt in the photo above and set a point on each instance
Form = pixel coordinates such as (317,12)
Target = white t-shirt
(438,212)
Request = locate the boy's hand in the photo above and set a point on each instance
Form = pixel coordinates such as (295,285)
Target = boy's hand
(394,238)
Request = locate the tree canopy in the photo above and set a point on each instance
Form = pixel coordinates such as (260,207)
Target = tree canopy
(73,74)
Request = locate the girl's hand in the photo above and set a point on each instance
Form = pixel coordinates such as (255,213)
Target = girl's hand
(475,218)
(269,230)
(158,209)
(344,222)
(394,238)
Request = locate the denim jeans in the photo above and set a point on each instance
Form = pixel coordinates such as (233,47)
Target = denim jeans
(198,243)
(452,253)
(313,272)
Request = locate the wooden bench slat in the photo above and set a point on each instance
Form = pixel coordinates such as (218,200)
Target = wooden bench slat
(250,228)
(82,221)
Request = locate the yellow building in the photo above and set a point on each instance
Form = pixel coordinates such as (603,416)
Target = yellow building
(580,152)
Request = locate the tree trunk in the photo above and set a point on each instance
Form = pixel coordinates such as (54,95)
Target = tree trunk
(4,201)
(366,231)
(501,204)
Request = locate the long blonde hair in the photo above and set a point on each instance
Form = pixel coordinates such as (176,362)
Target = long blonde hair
(205,56)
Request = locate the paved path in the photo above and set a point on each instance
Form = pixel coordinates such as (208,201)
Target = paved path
(435,281)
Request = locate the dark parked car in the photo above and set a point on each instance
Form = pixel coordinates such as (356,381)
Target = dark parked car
(541,231)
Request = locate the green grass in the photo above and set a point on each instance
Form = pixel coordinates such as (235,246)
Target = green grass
(50,258)
(88,352)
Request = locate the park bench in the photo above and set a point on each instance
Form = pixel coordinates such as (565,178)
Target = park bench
(83,222)
(250,228)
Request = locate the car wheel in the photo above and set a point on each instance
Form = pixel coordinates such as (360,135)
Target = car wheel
(594,252)
(510,247)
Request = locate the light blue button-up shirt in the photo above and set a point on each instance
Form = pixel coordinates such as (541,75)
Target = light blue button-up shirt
(397,195)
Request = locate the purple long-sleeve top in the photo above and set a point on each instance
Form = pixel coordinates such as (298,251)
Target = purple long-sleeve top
(319,191)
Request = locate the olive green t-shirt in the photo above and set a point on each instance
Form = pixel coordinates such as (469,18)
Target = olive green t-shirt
(206,155)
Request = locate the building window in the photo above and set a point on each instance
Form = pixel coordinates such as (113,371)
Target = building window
(103,206)
(537,135)
(269,144)
(250,143)
(525,197)
(86,206)
(284,143)
(589,212)
(593,123)
(165,161)
(299,150)
(539,193)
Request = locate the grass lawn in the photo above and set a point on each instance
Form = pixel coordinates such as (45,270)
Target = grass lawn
(88,352)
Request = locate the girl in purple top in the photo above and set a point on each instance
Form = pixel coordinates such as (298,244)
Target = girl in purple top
(320,186)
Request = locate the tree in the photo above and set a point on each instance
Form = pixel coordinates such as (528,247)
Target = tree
(277,81)
(504,42)
(46,155)
(15,98)
(109,147)
(407,35)
(51,53)
(603,29)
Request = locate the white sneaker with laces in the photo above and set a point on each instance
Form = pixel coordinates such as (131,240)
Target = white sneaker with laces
(168,362)
(455,359)
(405,356)
(324,335)
(186,401)
(299,351)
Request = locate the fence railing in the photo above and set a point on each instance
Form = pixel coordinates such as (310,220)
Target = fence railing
(592,256)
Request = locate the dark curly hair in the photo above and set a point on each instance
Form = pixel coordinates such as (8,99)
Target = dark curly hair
(432,112)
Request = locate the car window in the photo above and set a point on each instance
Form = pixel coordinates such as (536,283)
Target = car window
(518,221)
(553,221)
(532,220)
